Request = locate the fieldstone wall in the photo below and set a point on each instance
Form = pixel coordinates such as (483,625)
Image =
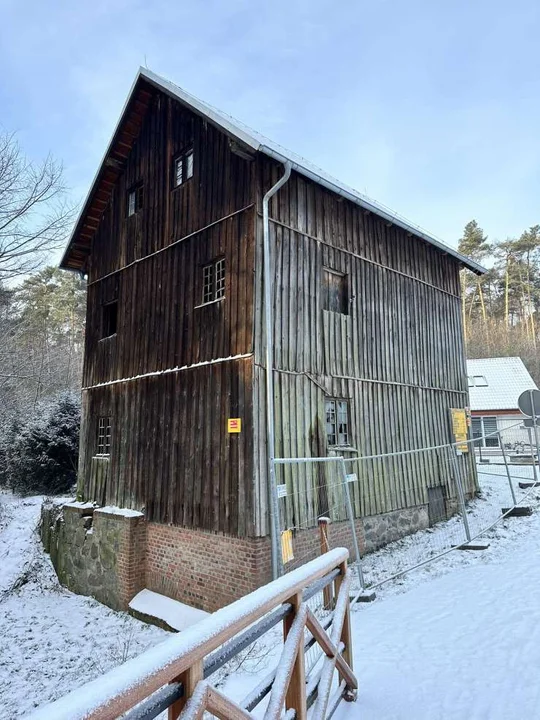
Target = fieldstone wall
(97,552)
(380,530)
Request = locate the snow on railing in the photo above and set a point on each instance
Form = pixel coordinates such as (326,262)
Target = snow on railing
(174,674)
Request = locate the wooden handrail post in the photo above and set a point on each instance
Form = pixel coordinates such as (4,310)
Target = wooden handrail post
(324,522)
(346,634)
(296,694)
(189,680)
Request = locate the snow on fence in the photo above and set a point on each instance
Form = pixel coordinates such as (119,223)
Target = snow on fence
(175,674)
(458,504)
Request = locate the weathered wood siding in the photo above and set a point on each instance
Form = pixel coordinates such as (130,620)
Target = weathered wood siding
(170,451)
(397,355)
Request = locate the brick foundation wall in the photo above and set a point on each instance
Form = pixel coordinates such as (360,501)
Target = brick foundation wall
(112,556)
(203,569)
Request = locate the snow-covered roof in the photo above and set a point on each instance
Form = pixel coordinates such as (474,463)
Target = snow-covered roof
(254,142)
(496,383)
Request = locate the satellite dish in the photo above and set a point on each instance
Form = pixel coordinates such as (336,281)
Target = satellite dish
(529,403)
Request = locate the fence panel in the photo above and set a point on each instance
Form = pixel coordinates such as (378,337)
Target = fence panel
(406,508)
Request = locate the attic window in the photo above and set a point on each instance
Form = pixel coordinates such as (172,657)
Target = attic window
(183,168)
(135,200)
(335,291)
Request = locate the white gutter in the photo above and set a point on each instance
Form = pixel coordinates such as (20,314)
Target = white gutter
(277,565)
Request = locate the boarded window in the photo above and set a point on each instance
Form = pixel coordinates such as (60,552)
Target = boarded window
(436,505)
(214,281)
(135,199)
(104,436)
(110,319)
(335,291)
(482,429)
(337,422)
(183,168)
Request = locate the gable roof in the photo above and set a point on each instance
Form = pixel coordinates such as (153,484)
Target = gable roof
(128,128)
(506,377)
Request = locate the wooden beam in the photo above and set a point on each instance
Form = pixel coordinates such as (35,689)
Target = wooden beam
(189,679)
(330,650)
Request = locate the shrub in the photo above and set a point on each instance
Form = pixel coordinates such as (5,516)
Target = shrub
(40,455)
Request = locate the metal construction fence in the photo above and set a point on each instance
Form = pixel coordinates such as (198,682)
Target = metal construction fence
(398,511)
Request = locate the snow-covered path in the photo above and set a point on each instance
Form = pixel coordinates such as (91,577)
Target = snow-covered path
(457,639)
(459,646)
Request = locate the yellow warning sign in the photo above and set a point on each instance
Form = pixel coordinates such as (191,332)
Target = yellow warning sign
(234,425)
(459,428)
(286,546)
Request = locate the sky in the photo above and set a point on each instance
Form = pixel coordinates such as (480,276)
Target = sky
(430,107)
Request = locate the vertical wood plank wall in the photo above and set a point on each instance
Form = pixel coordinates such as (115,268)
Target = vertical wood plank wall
(397,356)
(171,453)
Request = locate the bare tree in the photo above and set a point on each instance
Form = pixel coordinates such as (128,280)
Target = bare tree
(34,215)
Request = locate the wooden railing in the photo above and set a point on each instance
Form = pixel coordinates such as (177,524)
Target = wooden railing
(176,675)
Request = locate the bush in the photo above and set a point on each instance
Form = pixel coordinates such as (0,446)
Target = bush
(40,455)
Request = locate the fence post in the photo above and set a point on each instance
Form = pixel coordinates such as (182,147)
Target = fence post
(507,469)
(461,495)
(296,697)
(536,441)
(189,680)
(346,634)
(352,524)
(534,461)
(325,547)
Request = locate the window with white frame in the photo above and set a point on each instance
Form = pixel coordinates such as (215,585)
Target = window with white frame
(183,168)
(337,422)
(477,381)
(213,281)
(482,432)
(104,436)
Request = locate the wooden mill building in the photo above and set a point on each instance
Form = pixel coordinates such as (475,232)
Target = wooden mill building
(368,351)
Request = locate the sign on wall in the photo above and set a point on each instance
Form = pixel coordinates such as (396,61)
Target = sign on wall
(459,428)
(234,425)
(286,546)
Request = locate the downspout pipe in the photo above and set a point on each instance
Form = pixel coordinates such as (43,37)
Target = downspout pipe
(277,565)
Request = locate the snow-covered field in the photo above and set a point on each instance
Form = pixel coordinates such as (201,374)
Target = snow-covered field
(456,639)
(50,639)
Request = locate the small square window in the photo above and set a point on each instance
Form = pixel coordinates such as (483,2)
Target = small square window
(104,436)
(110,319)
(214,281)
(337,422)
(335,292)
(135,200)
(183,168)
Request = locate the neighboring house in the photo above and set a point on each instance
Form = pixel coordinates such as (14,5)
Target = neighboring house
(368,351)
(495,385)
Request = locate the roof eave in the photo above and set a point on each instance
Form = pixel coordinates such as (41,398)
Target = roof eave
(238,133)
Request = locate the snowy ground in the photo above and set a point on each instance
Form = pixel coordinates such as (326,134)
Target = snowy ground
(455,639)
(50,639)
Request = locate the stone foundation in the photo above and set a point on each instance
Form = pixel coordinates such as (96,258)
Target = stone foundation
(96,552)
(111,554)
(380,530)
